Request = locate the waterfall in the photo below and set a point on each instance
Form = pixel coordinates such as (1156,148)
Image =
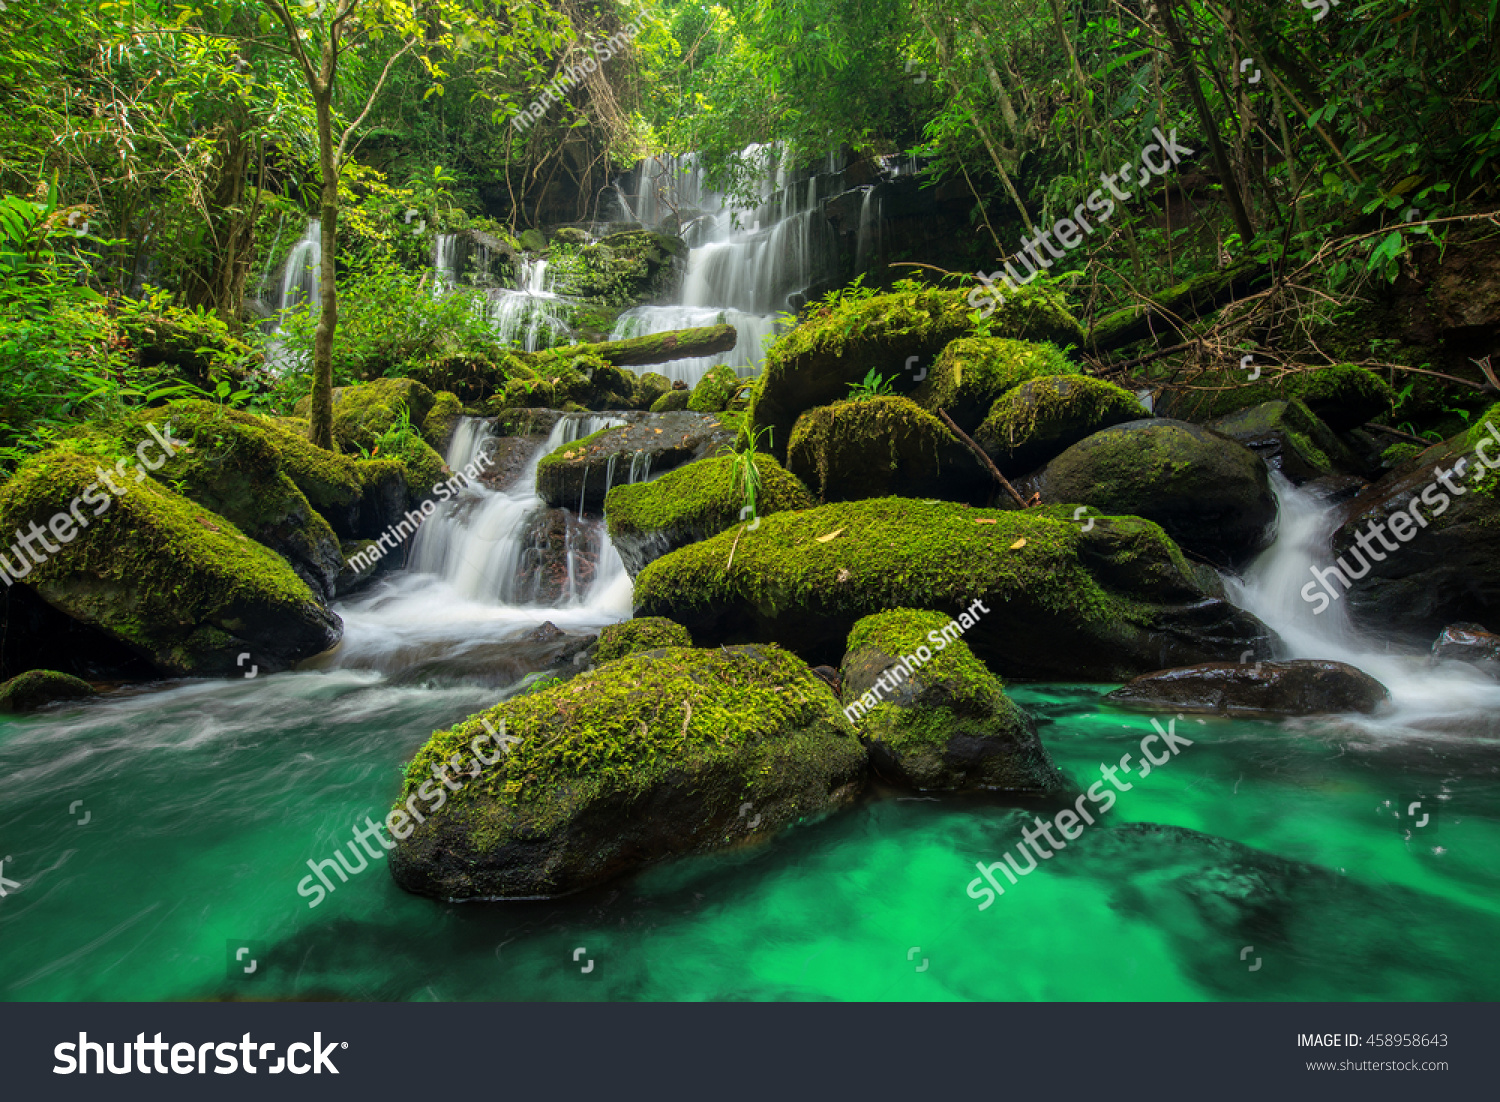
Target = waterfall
(530,314)
(1450,696)
(870,210)
(444,263)
(300,275)
(745,266)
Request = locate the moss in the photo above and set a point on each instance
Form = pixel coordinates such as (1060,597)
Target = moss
(705,497)
(1397,454)
(714,390)
(35,688)
(972,373)
(621,728)
(875,447)
(363,414)
(1030,423)
(438,425)
(733,420)
(672,401)
(576,450)
(645,633)
(969,682)
(650,386)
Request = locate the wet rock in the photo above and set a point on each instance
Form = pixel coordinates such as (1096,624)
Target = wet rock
(972,373)
(1469,643)
(1294,688)
(38,688)
(578,475)
(653,755)
(501,664)
(1210,494)
(1290,439)
(941,725)
(1107,603)
(882,447)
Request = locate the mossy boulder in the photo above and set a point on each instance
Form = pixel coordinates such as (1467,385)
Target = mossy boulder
(878,447)
(38,688)
(1042,418)
(363,414)
(533,240)
(943,724)
(673,401)
(651,756)
(1343,396)
(837,345)
(641,634)
(578,475)
(441,420)
(623,269)
(972,373)
(650,386)
(1109,602)
(1291,439)
(179,585)
(1211,494)
(692,503)
(713,392)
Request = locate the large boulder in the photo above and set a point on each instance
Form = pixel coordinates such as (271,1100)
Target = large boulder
(692,503)
(1443,564)
(1104,601)
(580,474)
(1343,396)
(1288,436)
(894,335)
(971,373)
(941,724)
(661,753)
(37,688)
(1211,494)
(1040,419)
(1297,688)
(179,585)
(879,447)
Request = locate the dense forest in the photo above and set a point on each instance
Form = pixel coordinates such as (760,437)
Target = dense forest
(734,413)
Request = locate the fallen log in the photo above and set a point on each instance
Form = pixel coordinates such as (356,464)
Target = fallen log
(678,344)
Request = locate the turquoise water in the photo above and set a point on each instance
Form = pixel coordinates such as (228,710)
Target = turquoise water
(205,801)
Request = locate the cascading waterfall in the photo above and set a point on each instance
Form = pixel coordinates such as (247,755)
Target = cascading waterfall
(444,263)
(531,314)
(1444,697)
(868,237)
(300,275)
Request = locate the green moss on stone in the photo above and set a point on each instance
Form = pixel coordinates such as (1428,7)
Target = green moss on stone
(972,373)
(672,401)
(713,391)
(1043,417)
(36,688)
(438,425)
(641,634)
(705,497)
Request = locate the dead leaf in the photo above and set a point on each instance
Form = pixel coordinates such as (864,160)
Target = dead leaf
(986,522)
(825,539)
(210,527)
(843,574)
(1018,544)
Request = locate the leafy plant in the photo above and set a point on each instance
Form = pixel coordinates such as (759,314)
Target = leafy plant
(873,385)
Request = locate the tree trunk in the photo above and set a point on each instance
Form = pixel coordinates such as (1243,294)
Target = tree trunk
(678,344)
(328,303)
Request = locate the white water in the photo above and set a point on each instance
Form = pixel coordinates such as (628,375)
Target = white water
(444,263)
(1450,696)
(529,314)
(468,582)
(745,264)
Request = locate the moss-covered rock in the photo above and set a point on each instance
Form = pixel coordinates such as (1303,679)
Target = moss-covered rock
(438,425)
(1113,601)
(836,345)
(673,401)
(1343,396)
(578,475)
(623,269)
(713,391)
(972,373)
(1040,419)
(1290,439)
(650,386)
(877,447)
(641,634)
(37,688)
(648,757)
(363,414)
(940,724)
(1211,494)
(692,503)
(178,584)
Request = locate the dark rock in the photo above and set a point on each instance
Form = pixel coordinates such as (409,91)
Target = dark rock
(578,475)
(1469,643)
(501,664)
(38,688)
(1296,688)
(1290,439)
(1211,494)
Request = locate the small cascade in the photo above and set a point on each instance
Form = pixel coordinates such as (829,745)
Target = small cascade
(300,274)
(530,314)
(444,263)
(868,240)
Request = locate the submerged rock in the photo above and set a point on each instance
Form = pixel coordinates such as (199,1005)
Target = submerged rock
(1211,494)
(879,447)
(1108,602)
(578,475)
(37,688)
(1469,643)
(1301,687)
(666,752)
(1040,419)
(944,724)
(692,503)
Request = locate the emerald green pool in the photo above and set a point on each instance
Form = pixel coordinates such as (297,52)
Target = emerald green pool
(205,802)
